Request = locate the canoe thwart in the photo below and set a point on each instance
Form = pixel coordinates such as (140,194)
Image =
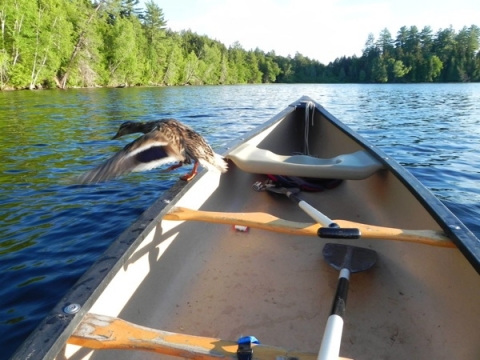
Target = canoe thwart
(355,166)
(102,332)
(269,222)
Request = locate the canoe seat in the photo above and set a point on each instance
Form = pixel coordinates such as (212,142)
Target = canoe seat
(356,166)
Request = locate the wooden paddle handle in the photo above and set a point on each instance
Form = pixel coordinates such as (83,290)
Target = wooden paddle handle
(269,222)
(105,332)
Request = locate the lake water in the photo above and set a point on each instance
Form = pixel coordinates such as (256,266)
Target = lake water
(51,230)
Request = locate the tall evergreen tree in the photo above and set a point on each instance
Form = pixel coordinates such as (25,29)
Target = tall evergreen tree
(174,65)
(19,34)
(385,43)
(237,72)
(399,70)
(191,70)
(445,44)
(130,8)
(210,64)
(84,53)
(156,53)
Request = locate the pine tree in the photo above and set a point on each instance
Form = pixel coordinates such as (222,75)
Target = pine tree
(156,54)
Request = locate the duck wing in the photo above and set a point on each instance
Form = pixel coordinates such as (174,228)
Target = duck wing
(147,152)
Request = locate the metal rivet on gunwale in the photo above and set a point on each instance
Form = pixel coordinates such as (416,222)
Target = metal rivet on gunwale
(71,309)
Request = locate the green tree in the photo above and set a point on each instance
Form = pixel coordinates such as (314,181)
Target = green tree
(476,71)
(123,61)
(401,40)
(54,34)
(371,52)
(269,68)
(191,69)
(287,73)
(154,29)
(82,53)
(466,47)
(362,77)
(445,45)
(18,31)
(426,40)
(253,74)
(423,55)
(210,64)
(129,8)
(237,72)
(435,67)
(4,55)
(379,70)
(224,75)
(399,70)
(174,65)
(385,43)
(472,52)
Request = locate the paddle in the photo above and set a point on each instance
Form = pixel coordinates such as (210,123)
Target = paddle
(104,332)
(269,222)
(347,259)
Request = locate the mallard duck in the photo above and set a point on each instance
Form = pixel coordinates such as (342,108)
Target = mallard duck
(165,141)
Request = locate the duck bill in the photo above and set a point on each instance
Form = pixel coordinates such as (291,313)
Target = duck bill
(116,136)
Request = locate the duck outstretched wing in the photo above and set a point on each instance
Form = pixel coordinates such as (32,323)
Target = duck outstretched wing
(147,152)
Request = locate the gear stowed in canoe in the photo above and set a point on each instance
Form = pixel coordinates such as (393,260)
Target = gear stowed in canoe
(164,142)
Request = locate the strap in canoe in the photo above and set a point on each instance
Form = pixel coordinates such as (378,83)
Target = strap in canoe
(355,166)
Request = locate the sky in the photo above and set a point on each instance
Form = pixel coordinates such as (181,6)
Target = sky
(319,29)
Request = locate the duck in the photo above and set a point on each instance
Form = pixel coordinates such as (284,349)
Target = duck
(164,141)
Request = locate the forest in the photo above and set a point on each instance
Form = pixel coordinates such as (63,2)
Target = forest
(84,43)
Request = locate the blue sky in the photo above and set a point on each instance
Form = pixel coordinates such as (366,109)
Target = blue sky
(320,29)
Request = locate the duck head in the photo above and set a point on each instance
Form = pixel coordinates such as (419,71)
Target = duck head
(128,127)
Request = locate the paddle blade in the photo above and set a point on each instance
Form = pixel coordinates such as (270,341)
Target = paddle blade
(349,257)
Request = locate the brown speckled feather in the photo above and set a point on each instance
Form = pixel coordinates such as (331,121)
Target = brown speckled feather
(165,141)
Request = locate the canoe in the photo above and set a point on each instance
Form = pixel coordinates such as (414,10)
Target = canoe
(230,255)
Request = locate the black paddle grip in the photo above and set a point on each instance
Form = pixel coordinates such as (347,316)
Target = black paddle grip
(339,233)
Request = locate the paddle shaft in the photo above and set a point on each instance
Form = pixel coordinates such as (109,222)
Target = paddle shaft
(348,259)
(105,332)
(269,222)
(329,229)
(332,337)
(316,215)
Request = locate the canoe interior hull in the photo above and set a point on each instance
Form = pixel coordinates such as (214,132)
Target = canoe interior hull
(418,302)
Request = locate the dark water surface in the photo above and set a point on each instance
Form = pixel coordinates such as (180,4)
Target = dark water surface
(51,231)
